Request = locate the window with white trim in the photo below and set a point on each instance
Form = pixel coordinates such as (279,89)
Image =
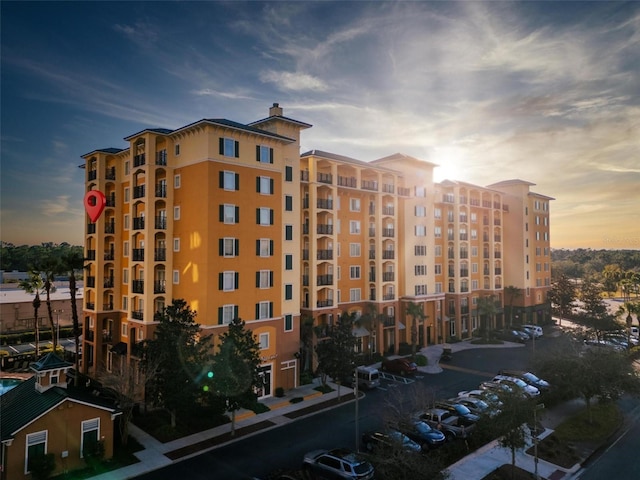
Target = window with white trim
(354,272)
(227,313)
(124,331)
(437,232)
(176,244)
(176,277)
(354,294)
(36,445)
(228,281)
(264,309)
(229,213)
(264,154)
(177,181)
(354,204)
(354,227)
(420,250)
(288,291)
(176,213)
(288,322)
(230,247)
(265,216)
(264,247)
(265,278)
(420,270)
(421,231)
(229,147)
(420,211)
(90,435)
(264,185)
(354,250)
(263,341)
(126,195)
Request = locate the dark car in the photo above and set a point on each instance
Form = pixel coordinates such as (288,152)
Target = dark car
(337,464)
(389,440)
(423,434)
(516,336)
(400,366)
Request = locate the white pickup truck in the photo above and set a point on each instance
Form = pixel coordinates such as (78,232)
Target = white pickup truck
(451,425)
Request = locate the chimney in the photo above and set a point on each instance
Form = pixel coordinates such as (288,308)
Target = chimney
(275,111)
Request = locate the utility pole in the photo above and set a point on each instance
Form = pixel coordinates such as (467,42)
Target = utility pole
(355,389)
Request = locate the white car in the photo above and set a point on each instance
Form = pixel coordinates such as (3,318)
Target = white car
(533,330)
(529,390)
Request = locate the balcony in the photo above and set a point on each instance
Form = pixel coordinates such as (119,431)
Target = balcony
(388,321)
(372,209)
(388,232)
(161,157)
(161,223)
(138,254)
(91,228)
(91,282)
(90,335)
(159,286)
(369,185)
(92,174)
(325,203)
(388,276)
(347,181)
(138,223)
(497,238)
(109,255)
(388,254)
(451,272)
(107,336)
(324,303)
(109,282)
(161,190)
(323,229)
(405,192)
(497,254)
(111,200)
(323,280)
(464,272)
(324,255)
(137,286)
(304,175)
(498,271)
(389,296)
(139,160)
(110,173)
(325,178)
(160,255)
(107,307)
(90,305)
(139,191)
(388,188)
(372,232)
(305,280)
(91,254)
(137,315)
(305,254)
(110,226)
(388,211)
(372,254)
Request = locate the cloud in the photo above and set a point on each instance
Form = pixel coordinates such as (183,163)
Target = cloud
(293,81)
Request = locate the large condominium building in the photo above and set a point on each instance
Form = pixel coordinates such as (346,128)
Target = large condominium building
(233,219)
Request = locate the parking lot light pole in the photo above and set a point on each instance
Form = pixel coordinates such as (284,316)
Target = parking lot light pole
(355,389)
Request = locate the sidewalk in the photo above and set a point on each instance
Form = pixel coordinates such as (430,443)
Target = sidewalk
(156,455)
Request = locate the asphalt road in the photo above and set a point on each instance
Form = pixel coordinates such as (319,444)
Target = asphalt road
(285,446)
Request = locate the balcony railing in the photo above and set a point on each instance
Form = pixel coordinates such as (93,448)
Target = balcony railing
(372,276)
(138,223)
(110,174)
(348,181)
(389,321)
(325,203)
(304,175)
(139,160)
(161,223)
(91,282)
(305,280)
(107,336)
(324,280)
(90,334)
(372,232)
(388,232)
(389,296)
(388,188)
(372,254)
(111,200)
(138,254)
(388,254)
(161,157)
(137,286)
(92,174)
(109,255)
(137,314)
(464,272)
(323,229)
(369,185)
(325,178)
(161,190)
(91,254)
(108,282)
(159,286)
(305,254)
(91,228)
(107,307)
(139,191)
(324,255)
(110,226)
(324,303)
(388,211)
(160,255)
(388,276)
(90,305)
(405,192)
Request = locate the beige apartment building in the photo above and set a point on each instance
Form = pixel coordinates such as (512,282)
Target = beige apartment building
(233,219)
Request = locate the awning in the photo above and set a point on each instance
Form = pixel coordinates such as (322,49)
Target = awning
(120,348)
(401,326)
(360,332)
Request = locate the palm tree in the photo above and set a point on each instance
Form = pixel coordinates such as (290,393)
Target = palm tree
(417,314)
(33,285)
(512,292)
(50,266)
(488,309)
(369,318)
(73,261)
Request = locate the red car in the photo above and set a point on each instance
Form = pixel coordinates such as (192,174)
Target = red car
(400,366)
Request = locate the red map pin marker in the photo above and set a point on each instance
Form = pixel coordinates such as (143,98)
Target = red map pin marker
(94,203)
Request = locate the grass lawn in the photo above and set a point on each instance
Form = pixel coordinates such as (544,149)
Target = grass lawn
(157,423)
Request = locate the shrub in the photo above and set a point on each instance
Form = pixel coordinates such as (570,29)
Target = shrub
(279,392)
(306,378)
(42,466)
(296,400)
(404,348)
(421,360)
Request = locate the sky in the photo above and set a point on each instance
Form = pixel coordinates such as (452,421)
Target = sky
(547,92)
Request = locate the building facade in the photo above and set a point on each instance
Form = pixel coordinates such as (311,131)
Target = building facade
(233,219)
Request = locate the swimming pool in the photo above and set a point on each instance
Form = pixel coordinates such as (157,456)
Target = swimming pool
(7,384)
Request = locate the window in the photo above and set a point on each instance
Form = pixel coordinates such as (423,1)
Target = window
(126,195)
(176,244)
(288,262)
(264,247)
(36,446)
(264,216)
(229,214)
(354,227)
(263,340)
(228,281)
(437,213)
(264,279)
(126,222)
(176,277)
(288,322)
(421,211)
(229,247)
(438,287)
(226,313)
(438,269)
(229,180)
(354,249)
(354,204)
(264,154)
(437,231)
(288,203)
(474,234)
(421,230)
(177,149)
(288,232)
(264,185)
(354,294)
(288,174)
(288,291)
(474,217)
(126,168)
(438,250)
(124,330)
(421,192)
(354,272)
(176,181)
(421,289)
(420,250)
(420,270)
(125,303)
(229,147)
(125,275)
(176,213)
(264,310)
(90,435)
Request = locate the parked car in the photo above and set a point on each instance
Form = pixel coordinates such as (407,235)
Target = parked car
(451,425)
(517,384)
(533,330)
(423,434)
(477,405)
(511,335)
(528,377)
(339,463)
(458,409)
(400,366)
(496,387)
(368,378)
(490,397)
(390,439)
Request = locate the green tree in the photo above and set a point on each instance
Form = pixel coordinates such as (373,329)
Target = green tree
(562,296)
(514,423)
(33,285)
(42,466)
(73,261)
(336,352)
(235,375)
(611,276)
(50,266)
(176,355)
(512,292)
(596,315)
(417,314)
(487,308)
